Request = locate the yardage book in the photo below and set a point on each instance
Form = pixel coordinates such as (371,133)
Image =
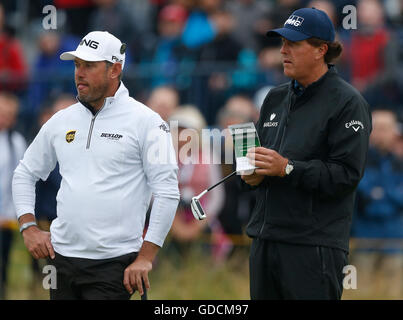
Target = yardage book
(244,137)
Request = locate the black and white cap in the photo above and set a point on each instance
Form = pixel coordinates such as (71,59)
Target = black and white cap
(98,46)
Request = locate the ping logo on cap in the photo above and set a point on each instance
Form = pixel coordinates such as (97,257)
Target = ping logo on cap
(90,43)
(116,59)
(294,20)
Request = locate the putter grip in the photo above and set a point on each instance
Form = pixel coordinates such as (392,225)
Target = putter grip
(144,296)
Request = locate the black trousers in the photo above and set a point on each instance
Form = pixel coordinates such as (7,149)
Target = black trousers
(280,271)
(88,279)
(6,239)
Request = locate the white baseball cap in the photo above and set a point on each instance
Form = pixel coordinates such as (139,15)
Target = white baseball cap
(98,46)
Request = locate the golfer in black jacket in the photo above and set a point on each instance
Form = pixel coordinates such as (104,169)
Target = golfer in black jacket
(314,133)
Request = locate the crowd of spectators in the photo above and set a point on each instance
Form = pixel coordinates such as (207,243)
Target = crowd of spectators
(207,50)
(206,64)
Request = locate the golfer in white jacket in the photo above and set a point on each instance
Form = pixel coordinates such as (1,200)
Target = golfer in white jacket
(113,154)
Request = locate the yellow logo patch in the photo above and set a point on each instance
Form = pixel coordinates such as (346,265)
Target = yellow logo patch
(70,135)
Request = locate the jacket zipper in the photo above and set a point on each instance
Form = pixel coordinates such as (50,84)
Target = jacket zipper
(286,123)
(92,126)
(264,214)
(279,149)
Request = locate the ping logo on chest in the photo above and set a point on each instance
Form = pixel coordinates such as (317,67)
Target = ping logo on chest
(70,135)
(111,136)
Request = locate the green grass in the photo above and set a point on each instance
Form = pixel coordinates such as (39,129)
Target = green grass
(198,277)
(21,283)
(190,276)
(174,277)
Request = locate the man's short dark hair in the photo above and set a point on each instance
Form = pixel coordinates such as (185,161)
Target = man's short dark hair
(110,64)
(334,50)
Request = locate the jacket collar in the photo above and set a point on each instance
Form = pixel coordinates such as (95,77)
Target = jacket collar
(298,90)
(122,92)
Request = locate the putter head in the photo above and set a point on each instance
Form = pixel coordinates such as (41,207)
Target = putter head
(197,209)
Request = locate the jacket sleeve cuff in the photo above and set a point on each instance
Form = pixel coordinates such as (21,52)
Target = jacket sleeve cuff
(306,174)
(25,210)
(297,173)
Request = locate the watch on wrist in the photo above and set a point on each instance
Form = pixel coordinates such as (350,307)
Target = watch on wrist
(27,225)
(289,167)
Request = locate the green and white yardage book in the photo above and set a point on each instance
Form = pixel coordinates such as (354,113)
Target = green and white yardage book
(244,137)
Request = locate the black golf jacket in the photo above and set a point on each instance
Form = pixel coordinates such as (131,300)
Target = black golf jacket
(325,132)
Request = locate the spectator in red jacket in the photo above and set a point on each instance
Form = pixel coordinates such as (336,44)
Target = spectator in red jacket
(369,45)
(13,70)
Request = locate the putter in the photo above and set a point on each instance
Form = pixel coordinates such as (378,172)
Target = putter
(144,296)
(195,204)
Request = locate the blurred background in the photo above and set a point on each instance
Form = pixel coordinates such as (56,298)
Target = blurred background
(205,64)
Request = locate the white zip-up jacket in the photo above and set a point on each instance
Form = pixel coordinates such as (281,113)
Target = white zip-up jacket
(111,163)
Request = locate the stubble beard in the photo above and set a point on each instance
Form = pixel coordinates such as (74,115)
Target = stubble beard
(95,94)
